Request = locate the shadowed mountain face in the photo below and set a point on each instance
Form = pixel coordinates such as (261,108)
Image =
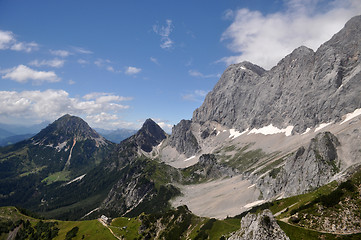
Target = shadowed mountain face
(149,135)
(68,169)
(66,129)
(305,89)
(62,151)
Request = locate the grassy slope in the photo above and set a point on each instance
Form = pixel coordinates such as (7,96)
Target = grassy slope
(309,203)
(92,229)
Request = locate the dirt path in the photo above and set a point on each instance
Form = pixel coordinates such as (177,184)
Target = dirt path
(111,231)
(285,220)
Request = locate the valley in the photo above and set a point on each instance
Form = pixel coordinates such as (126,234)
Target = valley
(269,154)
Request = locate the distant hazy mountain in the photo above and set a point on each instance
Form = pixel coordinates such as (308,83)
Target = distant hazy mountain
(4,133)
(14,139)
(16,129)
(117,135)
(10,134)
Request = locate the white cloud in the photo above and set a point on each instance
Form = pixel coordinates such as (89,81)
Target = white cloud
(110,69)
(228,14)
(60,53)
(165,126)
(22,46)
(71,82)
(102,117)
(164,32)
(82,61)
(132,70)
(105,63)
(8,41)
(51,104)
(154,60)
(195,96)
(57,63)
(195,73)
(82,50)
(23,74)
(105,97)
(266,39)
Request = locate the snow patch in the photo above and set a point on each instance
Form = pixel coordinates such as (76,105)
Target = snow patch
(61,146)
(307,130)
(100,141)
(190,158)
(322,125)
(253,185)
(270,129)
(96,209)
(234,133)
(252,204)
(243,68)
(76,179)
(349,116)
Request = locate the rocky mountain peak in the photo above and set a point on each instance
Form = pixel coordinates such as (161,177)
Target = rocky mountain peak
(150,135)
(66,128)
(305,89)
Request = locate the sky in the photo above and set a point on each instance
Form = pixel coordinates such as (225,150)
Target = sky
(117,63)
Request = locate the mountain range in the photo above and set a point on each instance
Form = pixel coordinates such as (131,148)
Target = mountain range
(275,151)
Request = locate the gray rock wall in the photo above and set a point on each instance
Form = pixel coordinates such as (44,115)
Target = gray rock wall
(260,226)
(306,88)
(306,169)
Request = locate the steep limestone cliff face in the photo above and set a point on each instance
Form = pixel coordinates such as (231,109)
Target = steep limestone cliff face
(305,89)
(306,169)
(183,139)
(259,227)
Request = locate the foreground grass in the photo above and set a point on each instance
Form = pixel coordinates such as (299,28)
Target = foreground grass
(91,229)
(298,233)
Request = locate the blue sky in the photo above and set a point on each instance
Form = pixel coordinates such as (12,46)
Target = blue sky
(116,63)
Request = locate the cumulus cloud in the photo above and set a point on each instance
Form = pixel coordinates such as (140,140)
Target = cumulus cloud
(266,39)
(195,96)
(51,104)
(164,32)
(60,53)
(6,39)
(102,117)
(9,41)
(57,63)
(105,97)
(23,74)
(132,70)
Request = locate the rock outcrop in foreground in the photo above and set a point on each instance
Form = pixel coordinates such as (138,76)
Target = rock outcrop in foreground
(259,227)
